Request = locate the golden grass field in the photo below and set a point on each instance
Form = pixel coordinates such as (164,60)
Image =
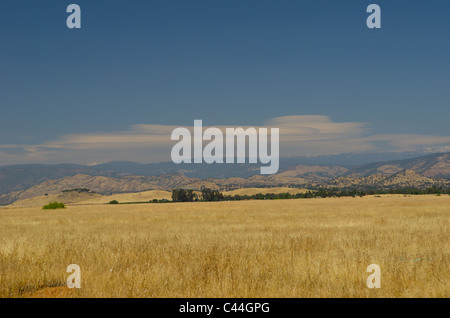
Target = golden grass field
(281,248)
(145,196)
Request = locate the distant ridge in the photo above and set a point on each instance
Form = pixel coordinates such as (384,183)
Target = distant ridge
(26,181)
(21,177)
(433,166)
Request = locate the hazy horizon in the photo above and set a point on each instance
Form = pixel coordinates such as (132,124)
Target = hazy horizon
(338,159)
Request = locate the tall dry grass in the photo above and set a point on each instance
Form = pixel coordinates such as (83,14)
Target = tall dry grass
(288,248)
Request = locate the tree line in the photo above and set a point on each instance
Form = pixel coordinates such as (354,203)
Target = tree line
(210,195)
(188,195)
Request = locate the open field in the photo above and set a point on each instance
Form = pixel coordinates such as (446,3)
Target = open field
(92,198)
(74,198)
(280,248)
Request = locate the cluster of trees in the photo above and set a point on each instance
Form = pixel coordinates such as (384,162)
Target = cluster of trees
(270,196)
(211,195)
(78,190)
(188,195)
(327,193)
(183,195)
(362,192)
(431,190)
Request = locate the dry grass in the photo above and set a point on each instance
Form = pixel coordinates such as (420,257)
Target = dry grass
(91,198)
(131,197)
(288,248)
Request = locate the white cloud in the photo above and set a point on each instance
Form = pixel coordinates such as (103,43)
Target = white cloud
(299,135)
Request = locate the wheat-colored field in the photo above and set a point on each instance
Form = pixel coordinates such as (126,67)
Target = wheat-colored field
(92,198)
(281,248)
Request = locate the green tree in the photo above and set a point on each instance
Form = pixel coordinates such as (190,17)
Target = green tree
(182,195)
(211,195)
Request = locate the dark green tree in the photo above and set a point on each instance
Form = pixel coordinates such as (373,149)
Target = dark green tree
(182,195)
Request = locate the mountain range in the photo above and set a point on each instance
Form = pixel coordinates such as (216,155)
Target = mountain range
(25,181)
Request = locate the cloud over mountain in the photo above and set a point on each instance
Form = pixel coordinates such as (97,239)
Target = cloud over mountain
(299,135)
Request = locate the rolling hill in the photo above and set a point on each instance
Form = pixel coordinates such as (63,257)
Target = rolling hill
(32,181)
(432,166)
(22,177)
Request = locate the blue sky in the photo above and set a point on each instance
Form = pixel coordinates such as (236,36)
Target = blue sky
(229,63)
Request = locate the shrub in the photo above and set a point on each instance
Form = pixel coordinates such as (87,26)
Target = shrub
(114,202)
(54,205)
